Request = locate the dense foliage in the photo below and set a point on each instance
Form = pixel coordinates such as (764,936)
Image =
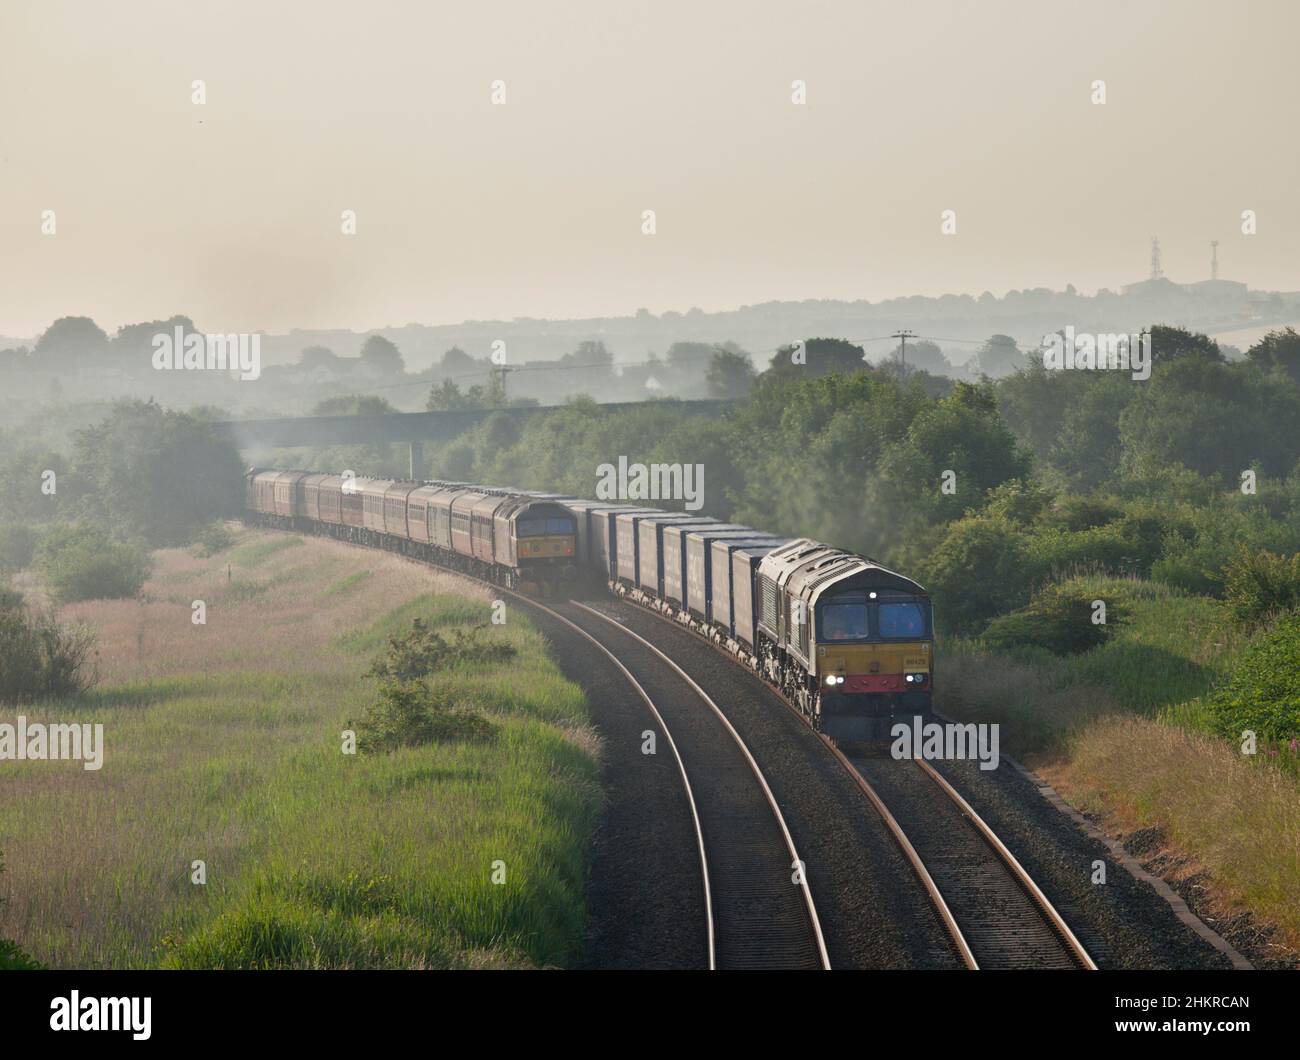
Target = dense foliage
(40,658)
(156,474)
(1263,692)
(410,709)
(17,546)
(1058,619)
(82,562)
(1260,584)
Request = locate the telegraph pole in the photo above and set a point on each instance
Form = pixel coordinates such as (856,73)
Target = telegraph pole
(503,369)
(902,337)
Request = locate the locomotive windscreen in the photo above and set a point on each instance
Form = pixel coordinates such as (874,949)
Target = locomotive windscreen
(844,617)
(544,527)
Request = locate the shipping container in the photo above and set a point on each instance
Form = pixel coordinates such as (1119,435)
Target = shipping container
(676,549)
(650,544)
(604,539)
(744,592)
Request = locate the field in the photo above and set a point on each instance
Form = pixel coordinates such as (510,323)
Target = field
(1120,731)
(223,744)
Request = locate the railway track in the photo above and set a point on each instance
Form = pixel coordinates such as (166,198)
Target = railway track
(998,916)
(995,914)
(760,909)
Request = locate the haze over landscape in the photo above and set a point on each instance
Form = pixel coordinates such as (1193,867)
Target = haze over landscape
(229,211)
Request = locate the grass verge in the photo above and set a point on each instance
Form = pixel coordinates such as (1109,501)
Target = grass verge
(223,745)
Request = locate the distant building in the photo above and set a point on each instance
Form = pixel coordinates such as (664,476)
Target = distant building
(1219,289)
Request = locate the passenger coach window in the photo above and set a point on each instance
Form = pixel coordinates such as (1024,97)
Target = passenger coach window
(902,620)
(844,620)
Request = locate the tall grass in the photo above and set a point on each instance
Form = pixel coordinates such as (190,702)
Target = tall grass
(1238,817)
(223,744)
(1170,649)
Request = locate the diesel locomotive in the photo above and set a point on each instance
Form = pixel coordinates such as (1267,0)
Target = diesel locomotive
(525,541)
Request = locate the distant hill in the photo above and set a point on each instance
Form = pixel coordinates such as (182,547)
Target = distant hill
(963,320)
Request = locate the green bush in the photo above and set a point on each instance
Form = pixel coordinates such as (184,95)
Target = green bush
(1082,511)
(1098,549)
(1201,546)
(422,651)
(40,658)
(1258,584)
(211,539)
(17,546)
(1262,693)
(409,712)
(979,569)
(10,598)
(84,563)
(1058,619)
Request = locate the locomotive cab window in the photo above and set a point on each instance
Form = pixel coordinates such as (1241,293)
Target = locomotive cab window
(543,527)
(902,620)
(843,617)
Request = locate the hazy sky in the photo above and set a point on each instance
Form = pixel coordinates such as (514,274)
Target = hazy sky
(230,212)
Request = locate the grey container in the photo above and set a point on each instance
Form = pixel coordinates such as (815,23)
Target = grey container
(718,609)
(697,566)
(676,538)
(650,543)
(604,538)
(744,574)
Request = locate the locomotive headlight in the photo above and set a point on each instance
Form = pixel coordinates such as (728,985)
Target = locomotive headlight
(915,679)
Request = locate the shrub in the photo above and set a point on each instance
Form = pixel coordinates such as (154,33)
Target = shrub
(422,652)
(10,598)
(1065,552)
(1199,549)
(1058,619)
(1083,512)
(40,658)
(408,712)
(211,539)
(1261,583)
(17,546)
(1017,502)
(83,563)
(1262,693)
(979,569)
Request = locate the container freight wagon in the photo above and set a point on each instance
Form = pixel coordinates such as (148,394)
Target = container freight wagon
(626,554)
(650,549)
(697,563)
(675,538)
